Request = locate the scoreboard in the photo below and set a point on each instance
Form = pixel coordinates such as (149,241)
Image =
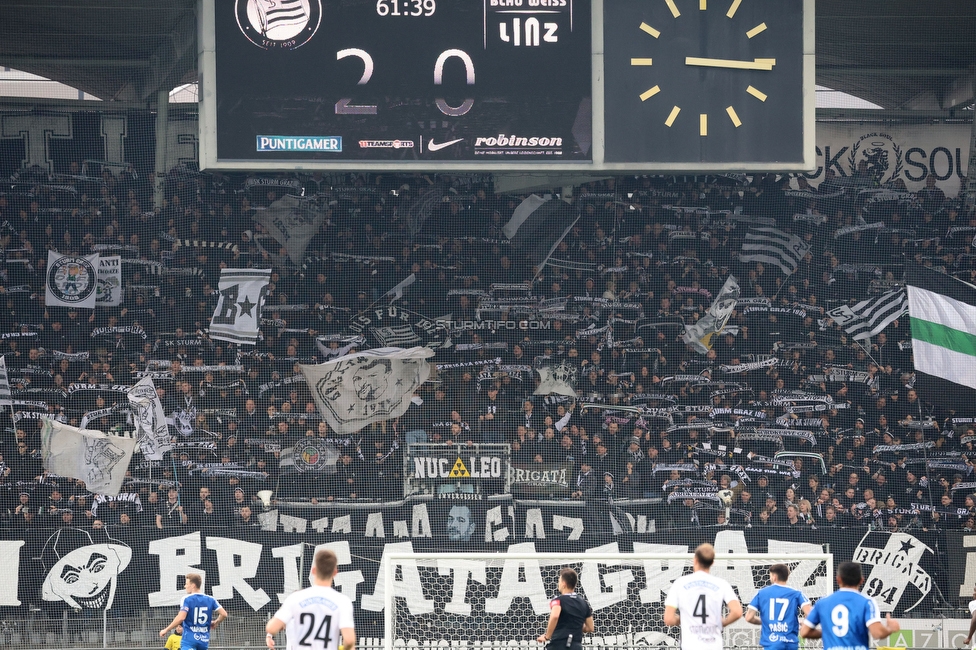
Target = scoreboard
(492,85)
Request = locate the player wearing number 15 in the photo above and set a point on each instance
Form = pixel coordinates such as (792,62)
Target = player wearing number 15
(316,617)
(695,602)
(196,615)
(847,619)
(775,608)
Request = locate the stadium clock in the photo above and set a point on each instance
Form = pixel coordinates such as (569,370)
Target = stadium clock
(705,81)
(407,8)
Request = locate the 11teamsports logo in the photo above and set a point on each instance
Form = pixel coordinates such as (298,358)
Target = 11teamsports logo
(279,24)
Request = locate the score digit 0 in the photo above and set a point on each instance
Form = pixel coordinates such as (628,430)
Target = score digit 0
(345,106)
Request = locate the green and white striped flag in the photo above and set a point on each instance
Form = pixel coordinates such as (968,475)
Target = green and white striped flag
(942,311)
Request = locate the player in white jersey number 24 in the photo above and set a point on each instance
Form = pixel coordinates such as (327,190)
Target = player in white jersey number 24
(695,603)
(316,618)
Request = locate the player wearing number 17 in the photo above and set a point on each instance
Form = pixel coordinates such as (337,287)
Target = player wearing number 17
(847,619)
(196,615)
(316,617)
(775,608)
(695,602)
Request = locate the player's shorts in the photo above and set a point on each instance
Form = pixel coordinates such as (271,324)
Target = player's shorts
(560,644)
(189,643)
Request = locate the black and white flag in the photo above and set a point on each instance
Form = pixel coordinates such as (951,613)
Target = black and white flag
(557,378)
(359,389)
(773,246)
(109,291)
(71,281)
(538,225)
(869,317)
(292,221)
(237,317)
(280,13)
(98,459)
(149,419)
(699,335)
(5,397)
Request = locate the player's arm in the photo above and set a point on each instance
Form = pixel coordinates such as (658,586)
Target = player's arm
(735,613)
(972,630)
(881,629)
(348,638)
(806,607)
(177,620)
(808,628)
(221,617)
(554,611)
(588,625)
(671,615)
(274,626)
(752,615)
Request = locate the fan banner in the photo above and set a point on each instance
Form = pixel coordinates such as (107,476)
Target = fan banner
(72,281)
(109,292)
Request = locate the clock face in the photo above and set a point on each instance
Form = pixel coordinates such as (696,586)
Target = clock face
(698,82)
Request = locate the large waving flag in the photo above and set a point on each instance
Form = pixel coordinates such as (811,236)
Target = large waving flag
(700,334)
(293,221)
(869,317)
(237,317)
(98,459)
(942,311)
(538,225)
(773,246)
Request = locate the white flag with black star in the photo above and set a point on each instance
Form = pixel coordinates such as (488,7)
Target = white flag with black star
(237,317)
(358,389)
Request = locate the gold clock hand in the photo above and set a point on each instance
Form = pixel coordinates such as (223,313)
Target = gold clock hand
(755,64)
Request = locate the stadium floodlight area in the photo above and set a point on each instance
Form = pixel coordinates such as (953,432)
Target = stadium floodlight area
(501,600)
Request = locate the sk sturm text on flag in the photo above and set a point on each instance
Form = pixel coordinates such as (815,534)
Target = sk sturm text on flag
(942,311)
(237,317)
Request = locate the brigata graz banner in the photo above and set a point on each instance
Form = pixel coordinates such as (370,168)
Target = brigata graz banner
(248,569)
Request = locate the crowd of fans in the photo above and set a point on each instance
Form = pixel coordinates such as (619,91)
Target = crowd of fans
(652,419)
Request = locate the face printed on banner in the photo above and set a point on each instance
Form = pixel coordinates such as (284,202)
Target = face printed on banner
(460,524)
(83,574)
(372,381)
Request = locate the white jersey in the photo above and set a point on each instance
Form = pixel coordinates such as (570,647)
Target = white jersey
(972,607)
(699,597)
(313,618)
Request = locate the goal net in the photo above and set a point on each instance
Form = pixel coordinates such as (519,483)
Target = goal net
(501,600)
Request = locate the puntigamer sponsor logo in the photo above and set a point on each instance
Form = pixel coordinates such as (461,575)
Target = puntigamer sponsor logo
(516,144)
(386,144)
(330,143)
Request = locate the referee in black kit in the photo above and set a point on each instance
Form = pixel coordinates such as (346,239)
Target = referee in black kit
(570,616)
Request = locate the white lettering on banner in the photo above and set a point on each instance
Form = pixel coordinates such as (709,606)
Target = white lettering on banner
(492,518)
(511,587)
(895,559)
(409,586)
(659,574)
(237,561)
(534,527)
(575,525)
(737,573)
(803,571)
(177,557)
(969,578)
(420,521)
(616,582)
(290,557)
(10,561)
(345,582)
(477,466)
(374,525)
(463,570)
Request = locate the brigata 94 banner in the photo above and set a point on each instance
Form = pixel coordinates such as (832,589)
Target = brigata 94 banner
(398,80)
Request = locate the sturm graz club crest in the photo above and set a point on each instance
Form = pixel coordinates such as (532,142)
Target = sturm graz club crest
(315,456)
(72,279)
(279,24)
(881,155)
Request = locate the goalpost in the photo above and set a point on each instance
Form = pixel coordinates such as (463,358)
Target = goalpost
(501,600)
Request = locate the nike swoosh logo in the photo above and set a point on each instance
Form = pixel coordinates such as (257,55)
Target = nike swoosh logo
(433,146)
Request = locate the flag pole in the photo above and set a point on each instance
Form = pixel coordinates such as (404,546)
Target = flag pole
(867,352)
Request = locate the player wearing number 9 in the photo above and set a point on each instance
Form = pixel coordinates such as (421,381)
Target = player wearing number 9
(316,617)
(847,618)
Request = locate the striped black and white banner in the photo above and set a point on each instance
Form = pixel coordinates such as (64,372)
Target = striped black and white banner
(773,246)
(5,397)
(869,317)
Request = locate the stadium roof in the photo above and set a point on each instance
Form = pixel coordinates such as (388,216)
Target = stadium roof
(899,54)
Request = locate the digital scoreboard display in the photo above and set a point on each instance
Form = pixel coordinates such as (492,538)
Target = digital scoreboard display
(406,81)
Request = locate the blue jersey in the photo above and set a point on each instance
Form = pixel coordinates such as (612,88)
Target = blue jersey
(199,610)
(844,617)
(778,607)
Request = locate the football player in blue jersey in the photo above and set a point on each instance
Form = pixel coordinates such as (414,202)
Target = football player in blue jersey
(847,619)
(196,615)
(775,608)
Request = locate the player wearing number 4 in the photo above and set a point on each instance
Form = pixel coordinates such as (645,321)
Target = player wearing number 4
(317,616)
(196,616)
(847,618)
(695,602)
(775,608)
